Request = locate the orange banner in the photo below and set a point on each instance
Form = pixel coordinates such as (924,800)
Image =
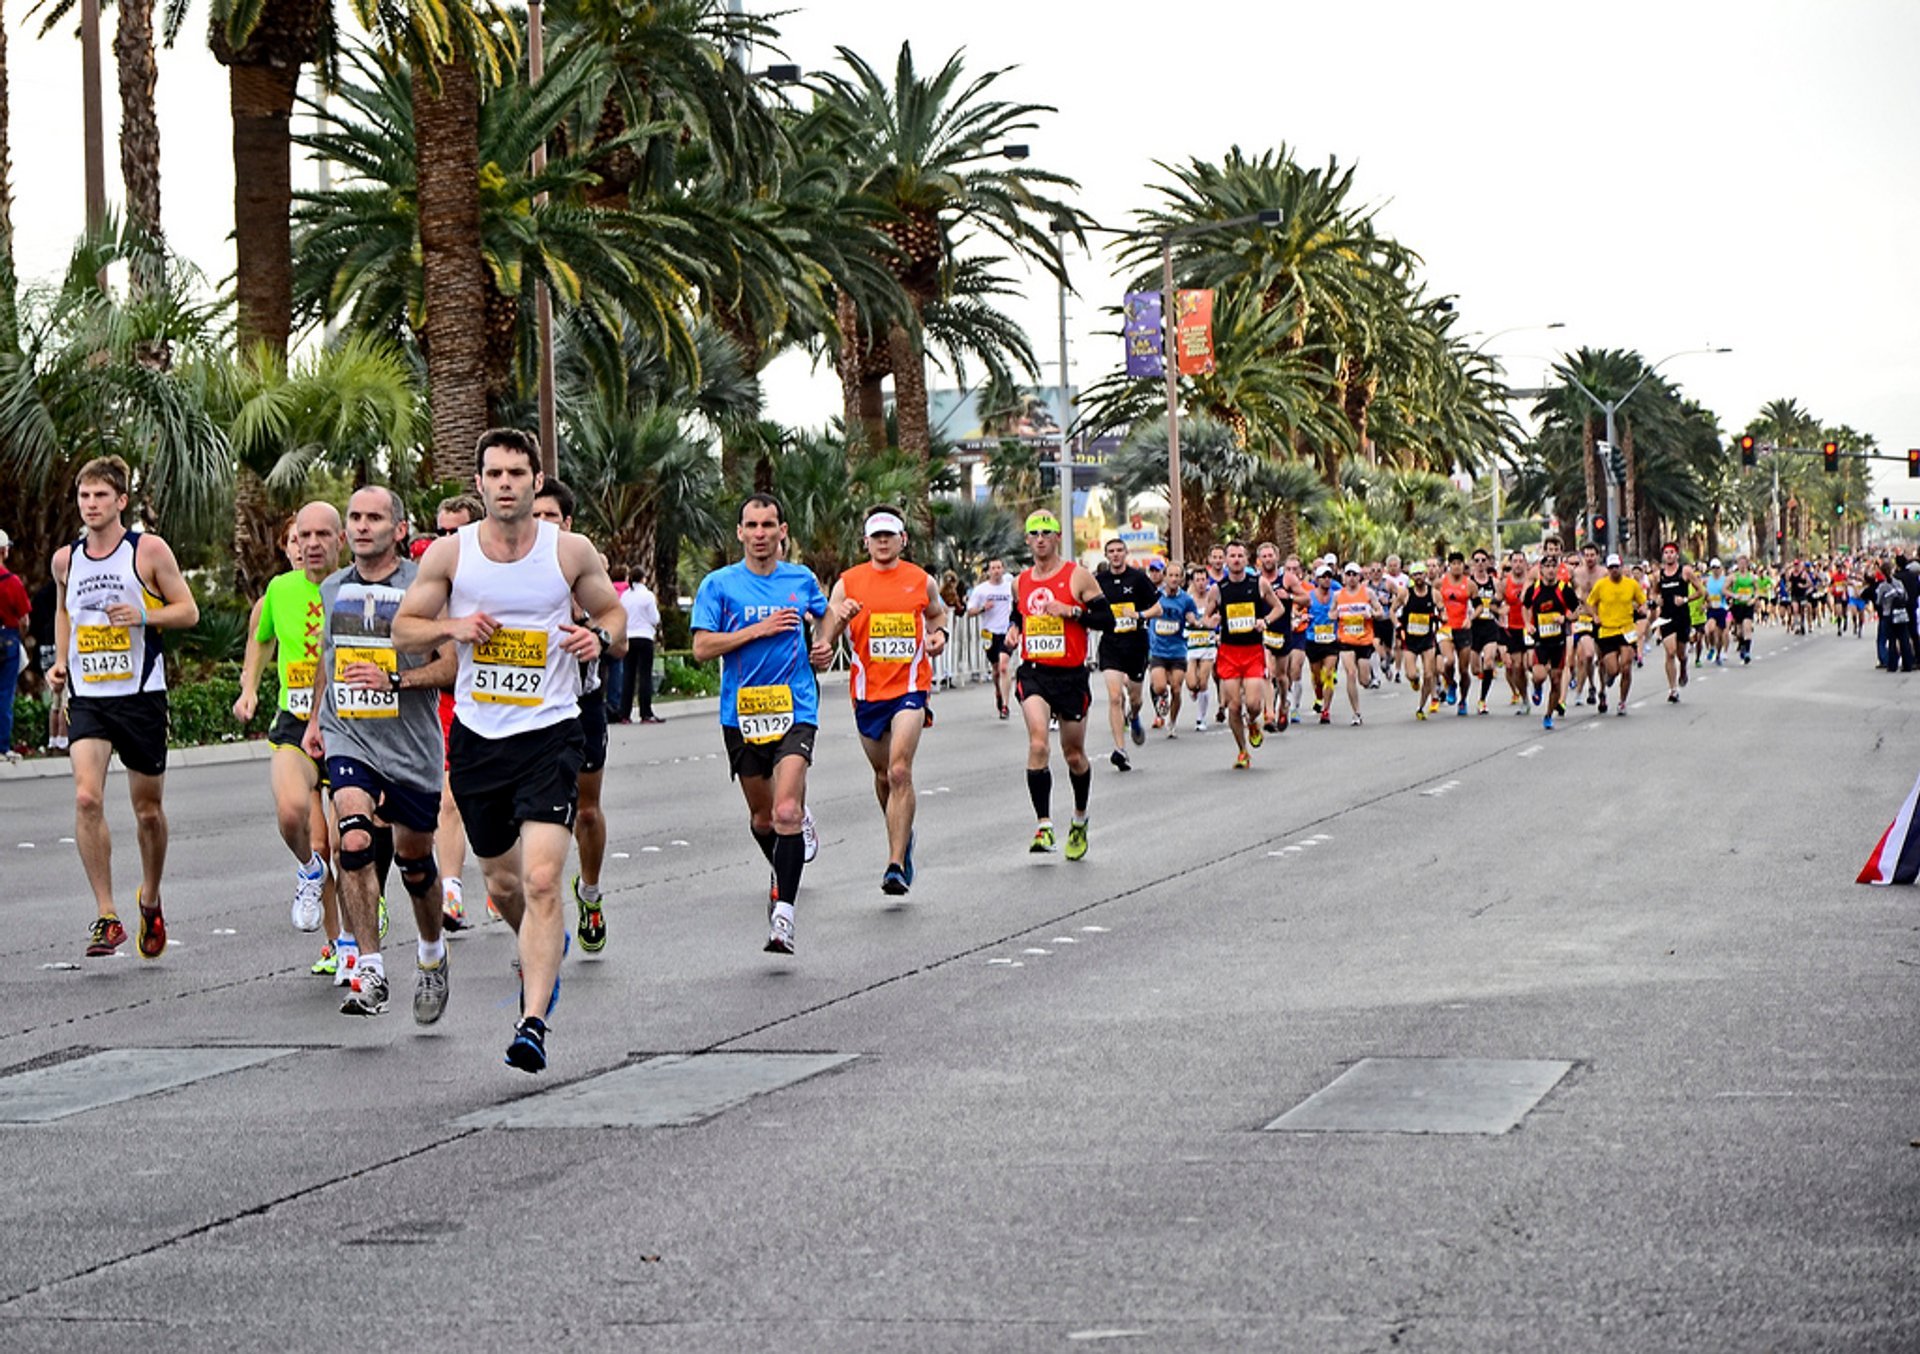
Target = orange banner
(1193,332)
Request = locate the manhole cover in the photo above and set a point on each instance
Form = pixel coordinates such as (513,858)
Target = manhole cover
(1425,1095)
(665,1092)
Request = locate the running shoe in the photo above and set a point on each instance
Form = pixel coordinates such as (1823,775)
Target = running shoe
(307,889)
(1256,735)
(151,939)
(1434,706)
(345,957)
(1042,840)
(1420,712)
(453,907)
(1159,721)
(1603,704)
(1673,698)
(1243,761)
(327,964)
(105,936)
(809,837)
(1199,723)
(1546,722)
(1461,709)
(367,994)
(913,840)
(1621,711)
(593,922)
(894,882)
(1356,722)
(1538,692)
(430,989)
(528,1051)
(1119,760)
(1139,732)
(383,916)
(1483,707)
(1077,839)
(1452,691)
(1326,715)
(493,913)
(780,930)
(1281,725)
(1003,709)
(1516,699)
(1220,715)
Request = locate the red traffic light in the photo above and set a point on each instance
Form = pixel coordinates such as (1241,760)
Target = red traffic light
(1748,456)
(1913,463)
(1830,453)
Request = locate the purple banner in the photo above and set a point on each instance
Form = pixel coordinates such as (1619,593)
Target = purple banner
(1142,331)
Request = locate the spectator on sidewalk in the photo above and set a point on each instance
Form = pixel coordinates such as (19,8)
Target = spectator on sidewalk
(643,624)
(14,611)
(1896,630)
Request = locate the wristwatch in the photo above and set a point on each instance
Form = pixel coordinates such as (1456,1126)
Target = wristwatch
(605,637)
(393,679)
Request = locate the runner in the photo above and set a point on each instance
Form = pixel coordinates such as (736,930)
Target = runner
(503,590)
(1550,606)
(118,589)
(1354,611)
(1585,573)
(1715,632)
(1677,588)
(1243,605)
(1122,659)
(374,722)
(1167,645)
(1058,602)
(1617,602)
(1323,644)
(1203,647)
(1744,588)
(1514,641)
(1420,650)
(753,616)
(555,503)
(1389,590)
(450,837)
(1456,641)
(992,601)
(290,619)
(1487,635)
(896,623)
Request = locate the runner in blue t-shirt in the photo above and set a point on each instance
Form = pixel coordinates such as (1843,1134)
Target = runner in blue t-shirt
(753,616)
(1167,645)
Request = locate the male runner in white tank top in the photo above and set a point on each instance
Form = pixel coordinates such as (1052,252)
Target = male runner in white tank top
(504,590)
(117,589)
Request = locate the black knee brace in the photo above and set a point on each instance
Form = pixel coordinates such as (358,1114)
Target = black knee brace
(418,873)
(352,858)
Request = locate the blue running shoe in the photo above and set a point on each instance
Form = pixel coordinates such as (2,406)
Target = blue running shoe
(894,882)
(528,1051)
(913,840)
(566,948)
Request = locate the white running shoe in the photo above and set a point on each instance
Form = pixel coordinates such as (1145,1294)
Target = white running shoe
(809,837)
(780,930)
(307,889)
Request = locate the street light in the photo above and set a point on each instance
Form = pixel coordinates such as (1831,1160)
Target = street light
(1176,518)
(1610,408)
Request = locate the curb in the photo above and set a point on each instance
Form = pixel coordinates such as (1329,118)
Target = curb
(259,750)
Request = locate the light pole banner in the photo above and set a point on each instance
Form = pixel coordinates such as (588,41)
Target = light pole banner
(1193,332)
(1141,330)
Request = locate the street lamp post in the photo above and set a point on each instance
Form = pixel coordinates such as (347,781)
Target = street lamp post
(1611,407)
(1066,413)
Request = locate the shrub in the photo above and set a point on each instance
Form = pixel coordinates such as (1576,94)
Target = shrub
(683,677)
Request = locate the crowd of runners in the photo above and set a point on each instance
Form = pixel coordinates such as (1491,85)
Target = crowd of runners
(452,693)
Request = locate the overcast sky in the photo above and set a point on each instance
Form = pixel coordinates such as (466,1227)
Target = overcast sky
(1658,176)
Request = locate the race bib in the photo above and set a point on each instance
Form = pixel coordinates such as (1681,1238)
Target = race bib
(1582,625)
(300,689)
(106,653)
(1200,639)
(353,703)
(1353,625)
(1276,642)
(893,637)
(1126,618)
(1166,629)
(510,668)
(1547,624)
(1044,637)
(1240,618)
(765,713)
(1419,625)
(1323,632)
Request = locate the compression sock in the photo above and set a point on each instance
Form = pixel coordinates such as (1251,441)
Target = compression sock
(1082,782)
(1486,683)
(789,858)
(765,842)
(1040,791)
(1200,704)
(382,854)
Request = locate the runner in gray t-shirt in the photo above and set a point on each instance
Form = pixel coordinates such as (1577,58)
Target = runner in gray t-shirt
(376,724)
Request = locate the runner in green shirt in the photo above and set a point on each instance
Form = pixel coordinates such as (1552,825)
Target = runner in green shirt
(1743,589)
(289,619)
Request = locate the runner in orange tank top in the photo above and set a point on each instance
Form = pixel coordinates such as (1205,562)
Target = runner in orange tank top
(896,627)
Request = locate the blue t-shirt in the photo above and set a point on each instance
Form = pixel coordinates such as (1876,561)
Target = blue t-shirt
(735,597)
(1167,632)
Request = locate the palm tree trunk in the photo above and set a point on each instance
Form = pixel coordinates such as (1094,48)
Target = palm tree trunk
(139,118)
(910,392)
(261,98)
(256,548)
(1590,470)
(862,402)
(1632,516)
(454,277)
(9,280)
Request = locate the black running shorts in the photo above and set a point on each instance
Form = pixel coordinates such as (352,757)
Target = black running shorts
(135,726)
(1064,689)
(500,783)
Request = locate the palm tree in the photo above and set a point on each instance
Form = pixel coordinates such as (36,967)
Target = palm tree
(826,488)
(644,486)
(9,279)
(966,534)
(930,150)
(1217,473)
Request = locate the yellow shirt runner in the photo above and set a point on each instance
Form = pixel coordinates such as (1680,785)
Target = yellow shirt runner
(1614,603)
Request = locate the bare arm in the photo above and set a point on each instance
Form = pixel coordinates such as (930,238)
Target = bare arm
(593,593)
(422,625)
(936,618)
(256,659)
(62,622)
(711,644)
(178,609)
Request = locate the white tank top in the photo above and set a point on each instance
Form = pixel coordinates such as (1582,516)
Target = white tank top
(104,659)
(521,679)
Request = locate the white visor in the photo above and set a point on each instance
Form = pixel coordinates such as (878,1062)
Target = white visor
(885,521)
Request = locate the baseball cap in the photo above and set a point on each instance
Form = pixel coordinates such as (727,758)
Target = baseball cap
(1417,567)
(1043,520)
(1613,560)
(1350,568)
(6,541)
(1714,563)
(1323,571)
(1156,565)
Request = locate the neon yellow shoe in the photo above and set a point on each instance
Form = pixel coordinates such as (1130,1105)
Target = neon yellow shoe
(1077,839)
(1042,840)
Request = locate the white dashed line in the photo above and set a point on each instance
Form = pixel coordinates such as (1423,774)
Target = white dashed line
(1528,752)
(1095,930)
(1035,949)
(622,855)
(1439,790)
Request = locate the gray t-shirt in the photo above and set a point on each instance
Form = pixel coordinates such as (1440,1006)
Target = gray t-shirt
(395,733)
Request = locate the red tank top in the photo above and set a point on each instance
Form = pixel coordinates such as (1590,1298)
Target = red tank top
(1049,641)
(1516,611)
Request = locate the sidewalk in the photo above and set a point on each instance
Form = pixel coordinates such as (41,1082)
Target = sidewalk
(259,750)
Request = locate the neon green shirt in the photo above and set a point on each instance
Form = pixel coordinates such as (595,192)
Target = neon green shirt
(290,616)
(1743,588)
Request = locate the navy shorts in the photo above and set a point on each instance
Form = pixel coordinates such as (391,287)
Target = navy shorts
(875,718)
(408,805)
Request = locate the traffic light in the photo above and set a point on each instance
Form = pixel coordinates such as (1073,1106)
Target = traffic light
(1839,510)
(1913,463)
(1617,458)
(1600,524)
(1830,453)
(1750,457)
(1886,506)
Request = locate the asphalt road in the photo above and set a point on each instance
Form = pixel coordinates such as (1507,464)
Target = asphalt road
(1051,1133)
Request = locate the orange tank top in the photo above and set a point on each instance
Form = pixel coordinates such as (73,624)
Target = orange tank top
(1354,612)
(888,635)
